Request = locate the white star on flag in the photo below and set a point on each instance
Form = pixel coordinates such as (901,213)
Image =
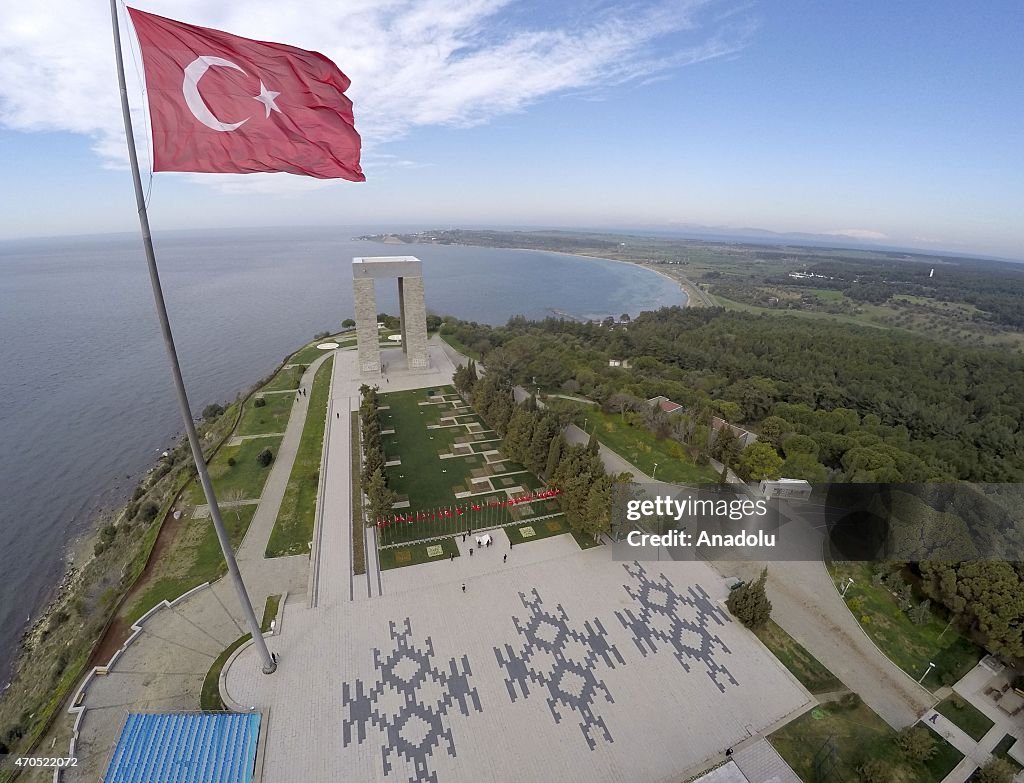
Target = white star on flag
(266,97)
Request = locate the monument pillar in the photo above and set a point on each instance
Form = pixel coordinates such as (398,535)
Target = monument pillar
(365,296)
(408,271)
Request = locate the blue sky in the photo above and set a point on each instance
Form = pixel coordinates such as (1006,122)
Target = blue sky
(901,123)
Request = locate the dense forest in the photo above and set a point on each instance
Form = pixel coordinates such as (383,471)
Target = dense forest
(995,288)
(829,402)
(866,404)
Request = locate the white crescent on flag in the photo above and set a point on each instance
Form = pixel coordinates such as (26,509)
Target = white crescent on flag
(195,71)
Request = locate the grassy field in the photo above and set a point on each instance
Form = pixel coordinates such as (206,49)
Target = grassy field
(196,559)
(311,353)
(285,379)
(429,483)
(271,417)
(804,666)
(209,697)
(414,554)
(639,446)
(909,646)
(244,479)
(859,735)
(520,534)
(974,722)
(293,529)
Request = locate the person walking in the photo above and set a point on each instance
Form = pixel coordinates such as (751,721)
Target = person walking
(504,558)
(453,557)
(463,587)
(471,551)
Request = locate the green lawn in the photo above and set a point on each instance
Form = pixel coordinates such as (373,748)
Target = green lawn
(804,666)
(293,529)
(414,554)
(968,717)
(311,353)
(192,558)
(859,734)
(244,479)
(271,417)
(909,646)
(520,534)
(639,446)
(945,759)
(429,483)
(285,379)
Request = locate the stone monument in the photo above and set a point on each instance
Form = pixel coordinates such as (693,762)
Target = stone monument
(408,270)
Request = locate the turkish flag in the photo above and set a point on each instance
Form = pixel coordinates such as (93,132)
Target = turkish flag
(221,103)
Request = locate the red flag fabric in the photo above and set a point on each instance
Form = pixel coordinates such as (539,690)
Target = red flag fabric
(222,103)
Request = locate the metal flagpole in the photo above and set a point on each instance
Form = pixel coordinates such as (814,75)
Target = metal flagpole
(269,664)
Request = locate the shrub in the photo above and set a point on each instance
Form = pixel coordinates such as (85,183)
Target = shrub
(916,743)
(875,771)
(149,511)
(996,771)
(348,323)
(232,462)
(850,701)
(108,532)
(99,548)
(259,402)
(265,457)
(212,411)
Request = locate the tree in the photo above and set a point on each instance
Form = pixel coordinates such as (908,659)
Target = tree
(624,318)
(212,411)
(545,429)
(516,444)
(800,444)
(760,461)
(348,323)
(554,455)
(381,499)
(265,457)
(916,743)
(599,507)
(773,430)
(996,771)
(804,466)
(876,771)
(749,602)
(726,447)
(593,444)
(433,322)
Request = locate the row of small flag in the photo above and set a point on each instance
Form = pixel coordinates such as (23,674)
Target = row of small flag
(458,511)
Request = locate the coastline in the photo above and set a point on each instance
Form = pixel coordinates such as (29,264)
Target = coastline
(694,296)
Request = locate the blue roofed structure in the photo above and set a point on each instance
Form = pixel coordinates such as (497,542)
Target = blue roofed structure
(197,747)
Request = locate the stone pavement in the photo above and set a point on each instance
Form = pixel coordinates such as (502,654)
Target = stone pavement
(571,668)
(164,667)
(334,581)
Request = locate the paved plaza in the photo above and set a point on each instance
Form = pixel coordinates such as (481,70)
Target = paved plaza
(571,667)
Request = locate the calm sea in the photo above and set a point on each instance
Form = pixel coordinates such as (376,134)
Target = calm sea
(87,401)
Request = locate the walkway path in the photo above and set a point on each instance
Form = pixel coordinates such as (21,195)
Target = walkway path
(164,668)
(335,582)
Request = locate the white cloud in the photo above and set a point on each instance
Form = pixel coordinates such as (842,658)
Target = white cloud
(412,62)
